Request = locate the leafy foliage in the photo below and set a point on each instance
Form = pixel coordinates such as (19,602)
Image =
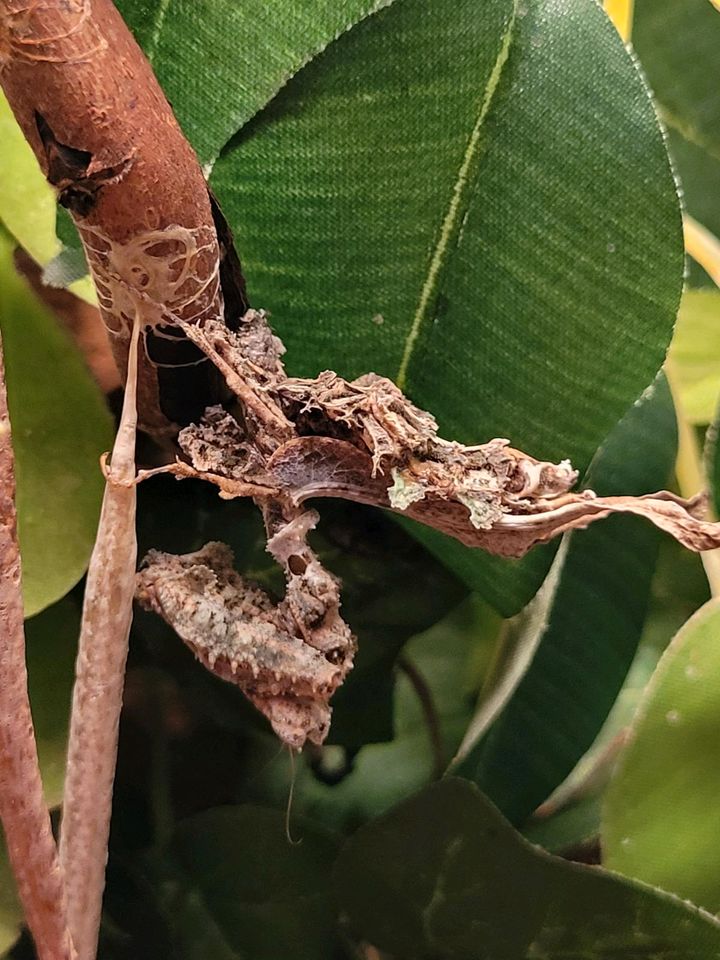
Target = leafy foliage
(279,902)
(657,822)
(443,875)
(479,204)
(588,620)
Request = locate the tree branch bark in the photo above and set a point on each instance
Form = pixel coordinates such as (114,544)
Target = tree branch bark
(25,818)
(106,138)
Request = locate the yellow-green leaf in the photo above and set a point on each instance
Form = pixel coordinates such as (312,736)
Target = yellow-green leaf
(695,354)
(60,425)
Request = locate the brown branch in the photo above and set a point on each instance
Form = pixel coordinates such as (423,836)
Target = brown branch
(106,138)
(97,695)
(24,815)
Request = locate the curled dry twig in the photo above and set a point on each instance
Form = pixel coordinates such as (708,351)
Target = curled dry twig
(25,818)
(289,440)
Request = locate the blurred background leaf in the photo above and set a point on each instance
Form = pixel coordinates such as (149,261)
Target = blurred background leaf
(61,425)
(569,821)
(677,45)
(443,875)
(28,206)
(695,354)
(235,886)
(659,820)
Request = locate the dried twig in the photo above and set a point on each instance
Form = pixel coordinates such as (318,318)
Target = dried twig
(24,815)
(97,696)
(297,439)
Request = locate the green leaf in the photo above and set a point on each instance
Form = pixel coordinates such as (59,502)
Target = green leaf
(445,876)
(677,44)
(658,821)
(478,206)
(588,626)
(27,201)
(699,173)
(220,61)
(238,888)
(573,827)
(695,354)
(60,427)
(51,646)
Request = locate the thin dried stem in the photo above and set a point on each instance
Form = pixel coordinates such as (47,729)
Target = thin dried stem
(703,247)
(100,670)
(25,818)
(427,704)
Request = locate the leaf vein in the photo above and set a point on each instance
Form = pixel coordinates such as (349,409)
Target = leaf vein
(456,210)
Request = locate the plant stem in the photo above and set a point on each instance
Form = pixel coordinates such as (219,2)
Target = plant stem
(25,818)
(691,474)
(424,695)
(100,671)
(703,247)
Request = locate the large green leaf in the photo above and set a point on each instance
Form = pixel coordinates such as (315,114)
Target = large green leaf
(238,889)
(220,61)
(60,427)
(589,627)
(445,876)
(660,819)
(478,205)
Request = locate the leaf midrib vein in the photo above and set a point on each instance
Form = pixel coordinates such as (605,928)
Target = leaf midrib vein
(456,209)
